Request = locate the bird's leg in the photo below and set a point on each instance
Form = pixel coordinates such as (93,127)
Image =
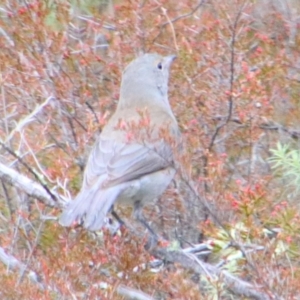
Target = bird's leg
(138,214)
(116,216)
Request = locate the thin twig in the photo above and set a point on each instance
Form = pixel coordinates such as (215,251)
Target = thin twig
(169,22)
(185,15)
(28,118)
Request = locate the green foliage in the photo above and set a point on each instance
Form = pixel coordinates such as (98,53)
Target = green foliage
(285,162)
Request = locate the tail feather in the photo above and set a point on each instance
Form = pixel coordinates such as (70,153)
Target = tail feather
(91,206)
(77,208)
(99,208)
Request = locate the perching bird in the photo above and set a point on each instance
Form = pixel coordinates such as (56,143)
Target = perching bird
(127,169)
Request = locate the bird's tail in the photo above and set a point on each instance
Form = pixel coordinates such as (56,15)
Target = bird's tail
(90,206)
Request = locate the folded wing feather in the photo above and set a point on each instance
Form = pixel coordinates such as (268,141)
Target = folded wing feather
(110,169)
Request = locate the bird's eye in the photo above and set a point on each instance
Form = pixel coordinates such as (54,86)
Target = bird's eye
(159,66)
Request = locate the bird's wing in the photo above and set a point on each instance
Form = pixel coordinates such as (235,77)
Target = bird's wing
(123,162)
(110,167)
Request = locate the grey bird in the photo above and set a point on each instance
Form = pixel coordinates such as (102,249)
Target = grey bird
(130,171)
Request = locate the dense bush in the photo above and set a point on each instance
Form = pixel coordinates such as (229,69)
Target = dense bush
(234,89)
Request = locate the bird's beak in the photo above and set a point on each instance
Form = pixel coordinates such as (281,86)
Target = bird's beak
(169,59)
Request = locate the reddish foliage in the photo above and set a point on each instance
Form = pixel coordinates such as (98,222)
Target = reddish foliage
(235,78)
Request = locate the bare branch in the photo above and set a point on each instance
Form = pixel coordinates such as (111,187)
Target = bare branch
(29,186)
(130,293)
(295,134)
(28,118)
(236,285)
(170,22)
(185,15)
(233,28)
(12,263)
(29,169)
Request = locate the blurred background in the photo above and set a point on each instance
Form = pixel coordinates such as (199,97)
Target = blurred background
(234,89)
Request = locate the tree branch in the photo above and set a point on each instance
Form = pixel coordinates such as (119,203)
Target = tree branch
(190,261)
(130,293)
(12,263)
(29,186)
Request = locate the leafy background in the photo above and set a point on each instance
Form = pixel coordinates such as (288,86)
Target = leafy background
(234,89)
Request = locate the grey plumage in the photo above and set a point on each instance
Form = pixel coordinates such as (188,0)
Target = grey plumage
(129,171)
